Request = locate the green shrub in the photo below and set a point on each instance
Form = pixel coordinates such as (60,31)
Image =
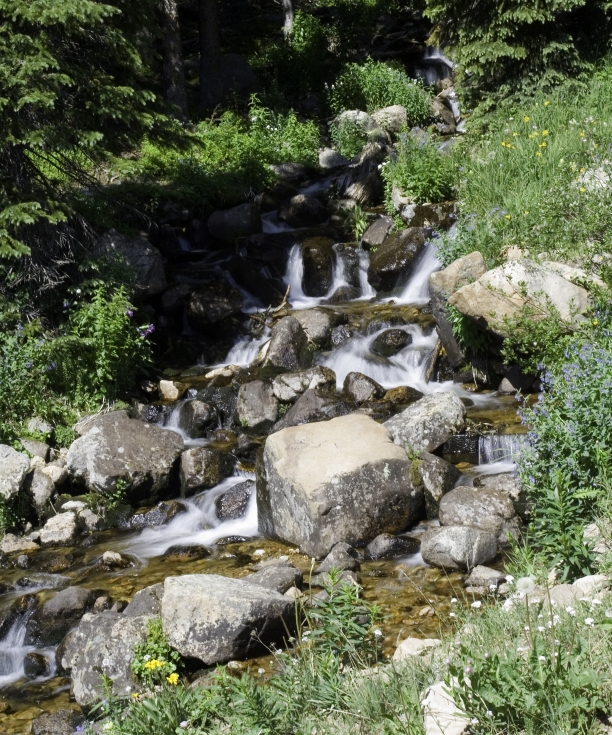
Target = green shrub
(376,84)
(154,660)
(348,136)
(419,171)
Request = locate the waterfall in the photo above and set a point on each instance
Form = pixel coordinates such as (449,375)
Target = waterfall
(416,291)
(13,651)
(500,448)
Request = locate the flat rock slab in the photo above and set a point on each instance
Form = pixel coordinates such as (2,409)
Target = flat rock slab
(14,466)
(339,480)
(218,619)
(458,548)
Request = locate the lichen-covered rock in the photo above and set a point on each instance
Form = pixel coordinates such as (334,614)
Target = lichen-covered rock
(203,468)
(60,530)
(14,467)
(428,423)
(288,348)
(217,619)
(289,386)
(118,449)
(41,488)
(438,477)
(339,480)
(317,323)
(278,577)
(257,406)
(458,548)
(233,502)
(359,388)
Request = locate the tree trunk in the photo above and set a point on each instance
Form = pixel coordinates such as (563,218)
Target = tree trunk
(289,15)
(210,54)
(173,72)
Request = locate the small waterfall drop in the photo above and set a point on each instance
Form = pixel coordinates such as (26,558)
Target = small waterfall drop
(500,448)
(416,291)
(13,651)
(245,350)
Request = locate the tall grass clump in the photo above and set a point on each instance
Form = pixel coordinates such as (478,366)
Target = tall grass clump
(538,178)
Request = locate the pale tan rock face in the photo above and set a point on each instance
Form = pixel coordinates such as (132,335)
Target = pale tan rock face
(503,292)
(339,480)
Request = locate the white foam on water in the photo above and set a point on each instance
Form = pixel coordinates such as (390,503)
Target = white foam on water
(416,291)
(13,651)
(246,349)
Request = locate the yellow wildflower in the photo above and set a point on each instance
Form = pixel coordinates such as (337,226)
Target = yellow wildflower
(508,216)
(544,133)
(527,118)
(581,170)
(581,134)
(173,679)
(516,135)
(542,145)
(153,664)
(538,154)
(582,189)
(595,322)
(526,211)
(530,136)
(503,143)
(134,695)
(546,103)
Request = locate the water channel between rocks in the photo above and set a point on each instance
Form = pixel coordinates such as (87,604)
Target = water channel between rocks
(410,593)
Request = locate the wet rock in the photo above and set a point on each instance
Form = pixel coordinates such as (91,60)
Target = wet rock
(403,394)
(257,406)
(114,559)
(360,388)
(377,232)
(444,114)
(103,644)
(203,468)
(240,221)
(181,553)
(60,530)
(458,548)
(224,400)
(140,256)
(415,647)
(339,480)
(143,456)
(362,181)
(36,448)
(145,602)
(41,488)
(386,545)
(392,119)
(277,577)
(509,485)
(289,386)
(440,215)
(217,619)
(485,577)
(8,618)
(35,665)
(340,335)
(49,624)
(318,259)
(347,256)
(233,502)
(503,292)
(485,509)
(288,348)
(171,390)
(437,477)
(317,323)
(245,446)
(14,467)
(343,294)
(174,298)
(60,722)
(342,558)
(12,544)
(428,423)
(302,211)
(316,404)
(443,284)
(390,342)
(163,513)
(294,173)
(211,304)
(195,417)
(101,604)
(393,262)
(330,159)
(23,561)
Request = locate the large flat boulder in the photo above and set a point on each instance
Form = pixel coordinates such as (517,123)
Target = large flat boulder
(339,480)
(428,423)
(487,509)
(117,449)
(502,293)
(217,619)
(14,467)
(50,623)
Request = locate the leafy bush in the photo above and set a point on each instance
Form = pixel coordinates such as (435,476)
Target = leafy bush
(419,171)
(348,136)
(376,84)
(154,660)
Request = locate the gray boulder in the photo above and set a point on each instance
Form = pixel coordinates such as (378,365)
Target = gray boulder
(140,256)
(443,284)
(257,406)
(35,665)
(386,544)
(486,509)
(377,232)
(362,181)
(485,577)
(196,417)
(288,349)
(212,303)
(60,530)
(278,577)
(142,456)
(509,485)
(145,602)
(51,622)
(41,487)
(60,722)
(203,468)
(14,467)
(342,557)
(428,423)
(315,404)
(217,619)
(339,480)
(288,387)
(330,159)
(360,388)
(36,448)
(458,548)
(392,119)
(302,211)
(392,263)
(317,323)
(390,342)
(233,502)
(103,644)
(437,477)
(503,292)
(240,221)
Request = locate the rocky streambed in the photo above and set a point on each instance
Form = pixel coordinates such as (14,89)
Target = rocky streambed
(335,428)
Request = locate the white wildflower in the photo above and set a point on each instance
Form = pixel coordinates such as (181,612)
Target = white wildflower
(476,604)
